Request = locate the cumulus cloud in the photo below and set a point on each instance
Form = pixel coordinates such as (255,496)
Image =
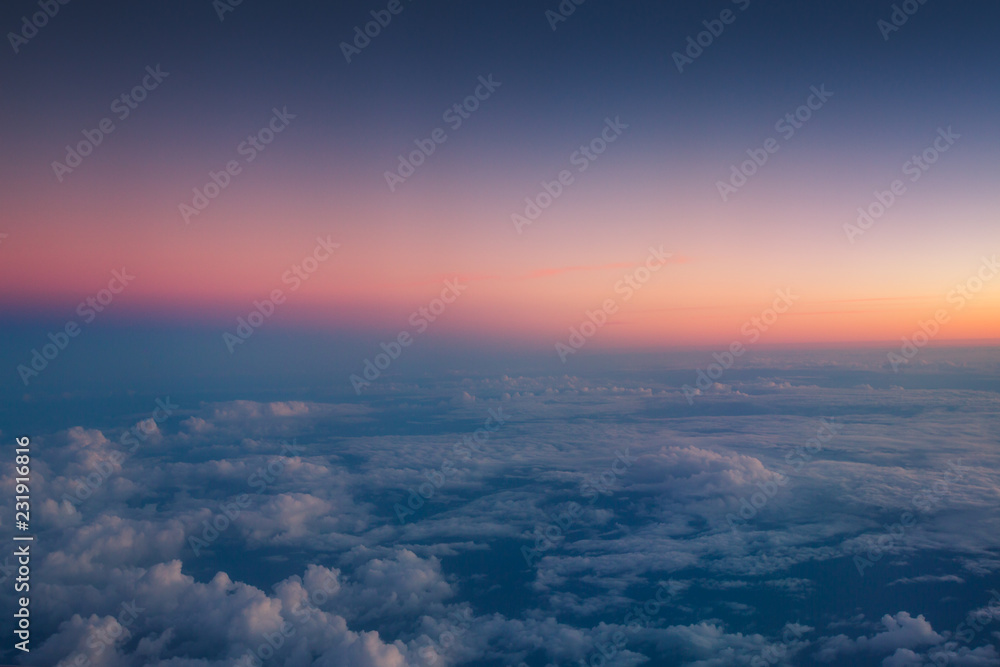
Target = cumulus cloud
(318,546)
(693,471)
(902,631)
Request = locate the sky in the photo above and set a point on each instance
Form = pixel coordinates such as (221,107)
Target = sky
(525,334)
(656,185)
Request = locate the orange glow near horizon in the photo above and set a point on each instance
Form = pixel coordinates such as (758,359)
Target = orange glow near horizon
(727,261)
